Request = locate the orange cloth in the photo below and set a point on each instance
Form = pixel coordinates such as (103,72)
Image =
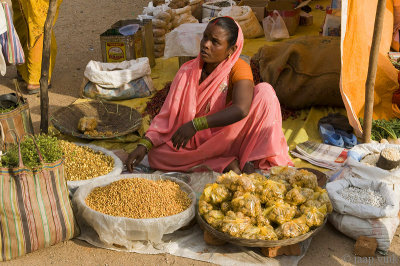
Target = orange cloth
(359,28)
(240,71)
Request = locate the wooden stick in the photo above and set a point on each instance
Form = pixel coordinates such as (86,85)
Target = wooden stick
(44,78)
(372,68)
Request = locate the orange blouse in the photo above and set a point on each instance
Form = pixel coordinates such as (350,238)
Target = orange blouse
(240,71)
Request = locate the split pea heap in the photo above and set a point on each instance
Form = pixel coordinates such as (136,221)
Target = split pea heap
(139,198)
(82,163)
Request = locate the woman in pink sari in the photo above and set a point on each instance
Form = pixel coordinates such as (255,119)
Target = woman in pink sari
(214,115)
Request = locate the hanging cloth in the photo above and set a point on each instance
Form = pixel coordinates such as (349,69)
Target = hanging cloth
(3,22)
(11,46)
(3,29)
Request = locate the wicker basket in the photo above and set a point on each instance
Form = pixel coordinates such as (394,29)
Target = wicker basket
(119,119)
(322,179)
(254,242)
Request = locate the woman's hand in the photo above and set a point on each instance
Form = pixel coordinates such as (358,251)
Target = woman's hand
(182,136)
(135,157)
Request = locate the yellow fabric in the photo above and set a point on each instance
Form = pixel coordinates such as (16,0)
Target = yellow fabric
(355,58)
(29,18)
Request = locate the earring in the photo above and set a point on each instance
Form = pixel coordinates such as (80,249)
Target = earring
(229,56)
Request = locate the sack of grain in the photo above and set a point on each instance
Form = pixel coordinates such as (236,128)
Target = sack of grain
(197,8)
(382,229)
(356,161)
(246,18)
(121,230)
(211,9)
(363,198)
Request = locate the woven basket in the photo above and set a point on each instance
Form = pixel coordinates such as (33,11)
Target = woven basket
(119,119)
(254,242)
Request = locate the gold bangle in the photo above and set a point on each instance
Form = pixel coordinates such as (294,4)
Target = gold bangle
(146,143)
(200,123)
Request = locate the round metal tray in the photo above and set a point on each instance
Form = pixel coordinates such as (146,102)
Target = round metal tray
(254,242)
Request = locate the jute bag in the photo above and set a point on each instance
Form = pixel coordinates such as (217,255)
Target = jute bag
(304,71)
(35,210)
(18,120)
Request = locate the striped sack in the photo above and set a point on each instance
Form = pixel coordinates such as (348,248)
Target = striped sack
(11,45)
(18,121)
(35,210)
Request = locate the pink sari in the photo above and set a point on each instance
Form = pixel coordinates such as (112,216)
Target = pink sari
(258,137)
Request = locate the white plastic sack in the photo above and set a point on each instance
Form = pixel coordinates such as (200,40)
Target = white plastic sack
(343,206)
(210,10)
(275,27)
(370,172)
(115,75)
(121,231)
(184,40)
(118,167)
(382,229)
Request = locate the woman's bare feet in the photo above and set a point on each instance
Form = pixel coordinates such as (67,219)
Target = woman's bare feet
(233,166)
(248,168)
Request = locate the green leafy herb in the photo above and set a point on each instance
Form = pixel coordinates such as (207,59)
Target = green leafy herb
(48,146)
(383,129)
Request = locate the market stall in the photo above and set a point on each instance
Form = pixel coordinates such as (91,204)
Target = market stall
(251,218)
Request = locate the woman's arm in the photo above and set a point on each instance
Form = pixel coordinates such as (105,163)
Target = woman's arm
(242,96)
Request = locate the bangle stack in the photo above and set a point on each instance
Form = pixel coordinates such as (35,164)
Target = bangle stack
(146,143)
(200,123)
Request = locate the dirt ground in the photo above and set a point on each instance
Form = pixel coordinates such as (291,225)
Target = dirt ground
(77,30)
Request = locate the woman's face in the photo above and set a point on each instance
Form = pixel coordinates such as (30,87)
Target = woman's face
(214,45)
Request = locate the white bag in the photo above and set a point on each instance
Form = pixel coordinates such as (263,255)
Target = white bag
(184,40)
(118,81)
(382,229)
(123,231)
(210,10)
(118,167)
(370,172)
(274,27)
(343,206)
(115,75)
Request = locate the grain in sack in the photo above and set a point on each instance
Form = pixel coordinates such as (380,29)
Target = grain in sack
(246,18)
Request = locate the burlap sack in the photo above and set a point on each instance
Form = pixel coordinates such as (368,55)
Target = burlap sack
(304,71)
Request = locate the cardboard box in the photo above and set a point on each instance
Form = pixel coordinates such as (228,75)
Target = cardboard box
(258,7)
(147,36)
(117,48)
(286,9)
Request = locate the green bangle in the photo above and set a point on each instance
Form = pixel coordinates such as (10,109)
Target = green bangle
(200,123)
(146,143)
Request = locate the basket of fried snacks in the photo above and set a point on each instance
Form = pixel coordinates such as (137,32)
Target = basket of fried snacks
(255,211)
(127,208)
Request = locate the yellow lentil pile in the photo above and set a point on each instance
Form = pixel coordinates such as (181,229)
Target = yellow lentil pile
(82,163)
(139,198)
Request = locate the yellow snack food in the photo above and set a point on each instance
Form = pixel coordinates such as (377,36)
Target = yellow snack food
(235,223)
(280,213)
(214,218)
(271,191)
(87,123)
(248,204)
(216,193)
(293,228)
